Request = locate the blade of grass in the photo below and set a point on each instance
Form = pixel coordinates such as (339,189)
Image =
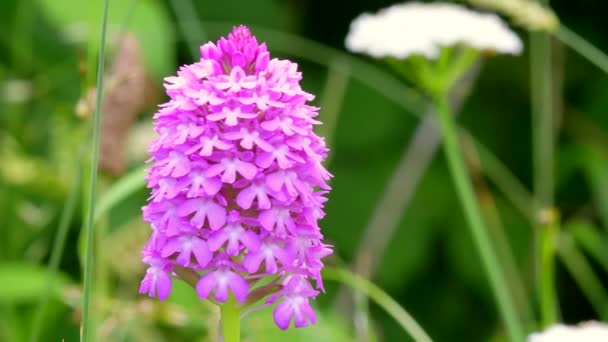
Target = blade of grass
(405,320)
(503,178)
(591,240)
(93,179)
(331,101)
(582,272)
(188,23)
(496,229)
(583,47)
(121,189)
(57,251)
(483,243)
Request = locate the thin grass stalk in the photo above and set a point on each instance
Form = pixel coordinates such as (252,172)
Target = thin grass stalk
(500,175)
(496,228)
(577,43)
(57,251)
(583,274)
(331,101)
(93,179)
(464,189)
(376,294)
(189,24)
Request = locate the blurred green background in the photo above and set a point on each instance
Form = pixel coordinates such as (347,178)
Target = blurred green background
(429,265)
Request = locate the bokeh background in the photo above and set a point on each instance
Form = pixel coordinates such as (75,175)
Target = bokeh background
(429,265)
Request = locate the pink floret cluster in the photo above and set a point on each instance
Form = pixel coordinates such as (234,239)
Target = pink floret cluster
(237,184)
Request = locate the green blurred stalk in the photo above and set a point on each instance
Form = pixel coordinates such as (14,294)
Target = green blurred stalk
(542,117)
(479,232)
(21,42)
(189,24)
(582,272)
(92,181)
(583,47)
(405,320)
(496,230)
(549,230)
(57,251)
(543,163)
(331,101)
(504,179)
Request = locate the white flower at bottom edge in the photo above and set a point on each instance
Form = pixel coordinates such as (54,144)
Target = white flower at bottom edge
(584,332)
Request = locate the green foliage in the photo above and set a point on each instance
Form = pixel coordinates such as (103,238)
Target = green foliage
(146,18)
(24,282)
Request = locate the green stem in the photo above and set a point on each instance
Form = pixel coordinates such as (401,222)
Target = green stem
(543,157)
(542,118)
(376,294)
(230,319)
(549,230)
(93,180)
(583,47)
(481,238)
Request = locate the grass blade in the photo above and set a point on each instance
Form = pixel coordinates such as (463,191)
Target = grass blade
(93,179)
(380,297)
(57,251)
(188,23)
(582,272)
(120,190)
(583,47)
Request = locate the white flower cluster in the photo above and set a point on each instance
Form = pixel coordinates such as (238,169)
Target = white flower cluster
(585,332)
(418,28)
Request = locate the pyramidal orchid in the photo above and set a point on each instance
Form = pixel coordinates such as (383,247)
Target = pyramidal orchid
(237,184)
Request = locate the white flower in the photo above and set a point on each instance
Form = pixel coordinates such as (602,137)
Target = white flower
(585,332)
(416,28)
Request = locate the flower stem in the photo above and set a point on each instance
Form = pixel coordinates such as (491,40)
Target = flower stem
(230,320)
(549,229)
(473,215)
(543,143)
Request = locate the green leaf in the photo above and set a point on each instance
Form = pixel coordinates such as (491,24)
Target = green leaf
(146,18)
(120,190)
(596,169)
(583,274)
(21,282)
(591,240)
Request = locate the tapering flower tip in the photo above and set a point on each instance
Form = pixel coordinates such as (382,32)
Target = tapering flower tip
(587,332)
(424,28)
(237,184)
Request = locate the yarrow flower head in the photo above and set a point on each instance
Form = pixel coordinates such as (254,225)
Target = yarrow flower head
(587,332)
(237,184)
(423,29)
